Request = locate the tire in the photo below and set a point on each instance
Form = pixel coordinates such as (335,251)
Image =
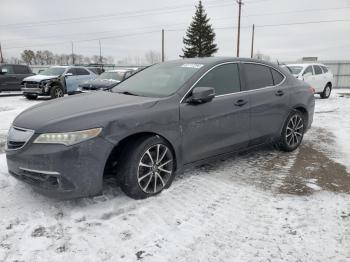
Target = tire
(56,92)
(293,132)
(141,172)
(326,92)
(31,96)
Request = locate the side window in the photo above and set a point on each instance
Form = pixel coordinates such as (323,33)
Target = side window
(257,76)
(9,69)
(224,79)
(277,77)
(127,74)
(72,71)
(19,69)
(81,72)
(325,69)
(318,70)
(308,70)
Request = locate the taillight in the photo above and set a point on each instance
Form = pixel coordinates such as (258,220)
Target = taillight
(312,90)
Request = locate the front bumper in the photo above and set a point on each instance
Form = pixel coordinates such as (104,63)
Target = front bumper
(34,90)
(61,171)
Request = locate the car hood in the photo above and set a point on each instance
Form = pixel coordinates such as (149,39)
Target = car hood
(81,111)
(99,83)
(39,78)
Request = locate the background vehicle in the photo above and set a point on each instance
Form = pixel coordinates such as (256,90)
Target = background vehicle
(317,75)
(11,76)
(107,80)
(56,81)
(146,130)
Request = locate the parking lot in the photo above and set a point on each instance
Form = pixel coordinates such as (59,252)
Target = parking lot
(257,206)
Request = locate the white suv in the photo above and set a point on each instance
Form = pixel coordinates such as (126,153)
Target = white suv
(317,75)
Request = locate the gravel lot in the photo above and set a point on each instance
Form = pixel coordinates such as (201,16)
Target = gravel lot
(258,206)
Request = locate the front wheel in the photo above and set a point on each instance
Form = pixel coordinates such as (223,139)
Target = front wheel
(326,92)
(56,92)
(292,132)
(147,167)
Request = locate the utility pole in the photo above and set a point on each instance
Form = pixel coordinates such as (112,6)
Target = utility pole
(252,49)
(240,3)
(163,55)
(1,57)
(73,54)
(99,41)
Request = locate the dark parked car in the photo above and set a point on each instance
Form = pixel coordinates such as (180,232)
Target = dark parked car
(11,76)
(153,125)
(106,80)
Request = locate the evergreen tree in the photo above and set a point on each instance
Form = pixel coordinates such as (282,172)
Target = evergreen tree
(200,36)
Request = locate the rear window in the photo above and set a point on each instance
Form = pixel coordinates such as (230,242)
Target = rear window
(318,70)
(325,69)
(81,71)
(277,77)
(257,76)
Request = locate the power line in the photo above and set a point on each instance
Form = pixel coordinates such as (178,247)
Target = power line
(142,12)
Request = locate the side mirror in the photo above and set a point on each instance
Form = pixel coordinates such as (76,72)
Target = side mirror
(201,95)
(4,71)
(68,74)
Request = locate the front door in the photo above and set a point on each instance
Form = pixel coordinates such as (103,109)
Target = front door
(310,78)
(218,126)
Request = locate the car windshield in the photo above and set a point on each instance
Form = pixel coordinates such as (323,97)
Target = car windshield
(53,71)
(112,75)
(295,70)
(159,80)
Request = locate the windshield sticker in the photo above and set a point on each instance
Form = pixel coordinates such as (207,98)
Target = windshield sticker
(197,66)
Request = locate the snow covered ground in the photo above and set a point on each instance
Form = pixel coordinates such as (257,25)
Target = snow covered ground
(259,206)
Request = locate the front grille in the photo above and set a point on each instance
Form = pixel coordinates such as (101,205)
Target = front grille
(18,137)
(31,85)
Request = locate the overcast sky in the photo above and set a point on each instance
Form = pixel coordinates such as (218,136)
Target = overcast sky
(132,27)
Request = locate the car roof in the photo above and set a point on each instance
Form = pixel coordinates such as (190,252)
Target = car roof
(210,61)
(118,70)
(306,64)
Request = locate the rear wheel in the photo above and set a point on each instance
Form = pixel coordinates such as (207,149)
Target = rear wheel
(292,132)
(56,92)
(326,92)
(147,167)
(31,96)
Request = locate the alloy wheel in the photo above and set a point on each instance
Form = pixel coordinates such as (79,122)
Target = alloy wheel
(155,169)
(328,91)
(294,131)
(58,92)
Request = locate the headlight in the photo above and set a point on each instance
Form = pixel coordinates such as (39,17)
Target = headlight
(69,138)
(45,82)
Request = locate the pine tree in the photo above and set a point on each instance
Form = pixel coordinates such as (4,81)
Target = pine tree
(200,36)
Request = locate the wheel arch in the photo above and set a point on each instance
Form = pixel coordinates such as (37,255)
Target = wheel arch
(114,154)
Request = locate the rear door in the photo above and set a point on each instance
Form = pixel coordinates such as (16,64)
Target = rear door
(269,101)
(218,126)
(79,75)
(320,79)
(8,80)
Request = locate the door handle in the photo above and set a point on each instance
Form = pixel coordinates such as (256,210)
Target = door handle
(240,102)
(279,93)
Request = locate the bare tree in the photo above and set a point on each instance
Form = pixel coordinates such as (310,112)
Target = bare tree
(28,56)
(261,56)
(153,57)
